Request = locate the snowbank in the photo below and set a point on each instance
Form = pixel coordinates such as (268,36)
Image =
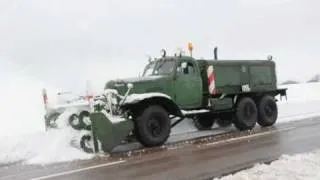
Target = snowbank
(299,166)
(21,105)
(22,131)
(303,101)
(41,148)
(303,92)
(56,145)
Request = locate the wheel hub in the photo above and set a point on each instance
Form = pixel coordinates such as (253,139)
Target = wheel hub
(248,111)
(269,110)
(155,127)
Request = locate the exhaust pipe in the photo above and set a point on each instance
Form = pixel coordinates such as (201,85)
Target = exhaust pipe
(215,51)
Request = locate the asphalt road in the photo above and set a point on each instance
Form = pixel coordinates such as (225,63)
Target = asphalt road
(206,158)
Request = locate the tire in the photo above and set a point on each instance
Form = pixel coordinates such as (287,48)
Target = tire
(203,122)
(153,127)
(246,115)
(268,111)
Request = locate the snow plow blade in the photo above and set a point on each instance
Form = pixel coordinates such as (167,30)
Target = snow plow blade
(108,133)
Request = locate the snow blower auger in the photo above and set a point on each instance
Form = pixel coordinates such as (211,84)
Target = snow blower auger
(76,111)
(98,120)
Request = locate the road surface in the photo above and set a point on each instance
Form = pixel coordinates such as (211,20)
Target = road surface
(206,158)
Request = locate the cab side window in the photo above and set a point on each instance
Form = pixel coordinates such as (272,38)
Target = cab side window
(186,68)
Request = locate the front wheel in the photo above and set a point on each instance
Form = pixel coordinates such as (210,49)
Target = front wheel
(153,126)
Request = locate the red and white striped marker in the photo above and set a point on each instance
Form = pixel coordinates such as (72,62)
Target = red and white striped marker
(90,96)
(45,99)
(211,80)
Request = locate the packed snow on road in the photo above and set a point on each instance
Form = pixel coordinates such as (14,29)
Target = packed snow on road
(288,167)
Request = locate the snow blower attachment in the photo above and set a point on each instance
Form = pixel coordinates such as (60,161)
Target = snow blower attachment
(107,133)
(97,116)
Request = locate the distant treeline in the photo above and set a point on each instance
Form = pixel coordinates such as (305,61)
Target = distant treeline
(314,79)
(290,82)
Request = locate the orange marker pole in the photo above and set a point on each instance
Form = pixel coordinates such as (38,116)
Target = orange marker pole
(190,48)
(45,103)
(89,95)
(45,98)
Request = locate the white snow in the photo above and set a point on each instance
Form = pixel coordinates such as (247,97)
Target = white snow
(113,118)
(303,101)
(288,167)
(57,145)
(138,79)
(21,105)
(132,98)
(41,148)
(22,131)
(194,111)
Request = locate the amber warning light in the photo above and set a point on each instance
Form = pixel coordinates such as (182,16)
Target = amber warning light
(190,48)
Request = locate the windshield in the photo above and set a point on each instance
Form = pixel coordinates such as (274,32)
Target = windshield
(159,67)
(149,69)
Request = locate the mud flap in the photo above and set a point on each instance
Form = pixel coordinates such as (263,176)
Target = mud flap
(109,134)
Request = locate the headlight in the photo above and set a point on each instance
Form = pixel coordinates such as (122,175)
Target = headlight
(110,91)
(130,85)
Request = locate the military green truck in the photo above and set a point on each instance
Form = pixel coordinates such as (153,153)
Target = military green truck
(179,87)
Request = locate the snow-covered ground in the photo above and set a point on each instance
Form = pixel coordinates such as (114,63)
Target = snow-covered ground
(23,138)
(299,166)
(303,101)
(41,148)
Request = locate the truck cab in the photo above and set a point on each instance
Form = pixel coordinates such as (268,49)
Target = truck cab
(184,78)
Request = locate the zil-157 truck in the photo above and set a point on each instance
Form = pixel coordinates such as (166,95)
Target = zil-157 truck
(179,87)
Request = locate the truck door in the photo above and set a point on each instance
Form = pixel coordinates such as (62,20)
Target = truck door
(187,85)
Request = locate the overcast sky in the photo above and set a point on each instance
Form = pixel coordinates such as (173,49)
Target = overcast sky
(65,42)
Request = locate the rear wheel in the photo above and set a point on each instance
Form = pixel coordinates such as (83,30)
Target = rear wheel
(246,114)
(152,127)
(203,122)
(268,111)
